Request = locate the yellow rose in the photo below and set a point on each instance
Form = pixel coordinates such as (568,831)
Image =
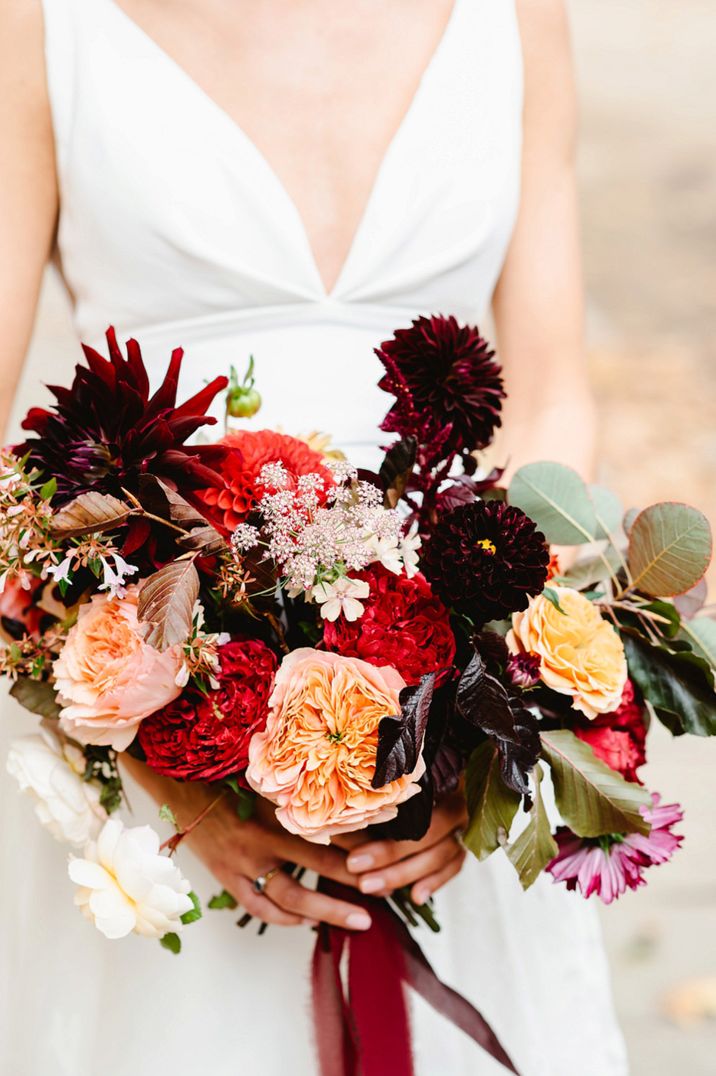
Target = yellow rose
(580,653)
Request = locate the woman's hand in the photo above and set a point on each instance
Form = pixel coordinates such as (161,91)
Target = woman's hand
(379,867)
(237,852)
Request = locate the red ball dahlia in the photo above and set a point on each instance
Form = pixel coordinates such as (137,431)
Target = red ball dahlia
(619,738)
(231,503)
(446,382)
(404,625)
(202,737)
(486,559)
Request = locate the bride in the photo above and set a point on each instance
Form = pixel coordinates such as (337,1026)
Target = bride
(295,180)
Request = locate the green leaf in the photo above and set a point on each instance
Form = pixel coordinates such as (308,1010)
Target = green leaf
(491,804)
(558,501)
(608,509)
(166,814)
(669,549)
(552,597)
(195,913)
(591,570)
(701,634)
(172,942)
(246,799)
(592,798)
(37,696)
(49,489)
(111,795)
(223,899)
(678,685)
(535,847)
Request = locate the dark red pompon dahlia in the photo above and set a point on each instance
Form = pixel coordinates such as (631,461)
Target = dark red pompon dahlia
(202,737)
(106,430)
(446,382)
(485,560)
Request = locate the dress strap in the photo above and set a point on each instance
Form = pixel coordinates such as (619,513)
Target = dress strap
(60,19)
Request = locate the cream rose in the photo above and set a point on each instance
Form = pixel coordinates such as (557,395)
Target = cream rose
(108,678)
(316,757)
(50,770)
(580,653)
(126,885)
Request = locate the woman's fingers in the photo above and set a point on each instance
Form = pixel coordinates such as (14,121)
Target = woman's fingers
(374,855)
(415,868)
(298,900)
(261,907)
(320,858)
(424,889)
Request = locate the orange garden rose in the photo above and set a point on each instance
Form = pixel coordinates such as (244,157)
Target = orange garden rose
(316,757)
(580,654)
(108,678)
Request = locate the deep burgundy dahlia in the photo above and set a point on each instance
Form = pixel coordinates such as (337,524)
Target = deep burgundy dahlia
(486,559)
(106,430)
(447,385)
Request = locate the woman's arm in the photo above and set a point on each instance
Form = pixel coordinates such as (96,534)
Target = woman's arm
(539,302)
(28,188)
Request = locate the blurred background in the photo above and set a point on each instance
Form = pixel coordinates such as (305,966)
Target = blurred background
(647,80)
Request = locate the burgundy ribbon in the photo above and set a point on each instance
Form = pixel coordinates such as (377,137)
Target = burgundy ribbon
(367,1032)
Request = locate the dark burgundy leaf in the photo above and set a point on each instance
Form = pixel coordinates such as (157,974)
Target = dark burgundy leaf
(413,819)
(161,500)
(400,739)
(204,540)
(464,489)
(396,469)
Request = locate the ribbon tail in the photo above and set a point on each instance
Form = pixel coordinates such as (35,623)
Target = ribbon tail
(331,1016)
(377,998)
(458,1010)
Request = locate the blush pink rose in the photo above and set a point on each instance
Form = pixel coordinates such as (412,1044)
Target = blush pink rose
(316,757)
(108,678)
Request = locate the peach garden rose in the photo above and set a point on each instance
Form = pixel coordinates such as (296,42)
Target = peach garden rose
(316,757)
(108,678)
(580,653)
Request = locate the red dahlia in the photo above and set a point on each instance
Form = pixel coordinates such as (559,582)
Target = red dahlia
(230,504)
(106,430)
(404,625)
(447,385)
(486,559)
(619,739)
(206,737)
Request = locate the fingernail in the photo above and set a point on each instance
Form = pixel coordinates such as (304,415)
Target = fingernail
(372,885)
(360,863)
(358,921)
(421,896)
(310,923)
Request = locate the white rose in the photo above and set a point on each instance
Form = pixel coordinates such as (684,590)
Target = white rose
(127,885)
(51,771)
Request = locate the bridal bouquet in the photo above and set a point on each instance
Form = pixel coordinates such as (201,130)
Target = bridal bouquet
(351,646)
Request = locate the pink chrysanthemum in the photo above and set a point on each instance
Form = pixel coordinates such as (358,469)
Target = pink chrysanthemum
(608,866)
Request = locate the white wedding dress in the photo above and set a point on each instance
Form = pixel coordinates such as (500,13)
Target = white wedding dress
(175,229)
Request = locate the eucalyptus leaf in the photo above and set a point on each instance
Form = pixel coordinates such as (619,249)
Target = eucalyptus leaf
(558,501)
(608,509)
(592,798)
(166,603)
(490,803)
(628,520)
(692,602)
(669,549)
(592,569)
(535,847)
(678,685)
(37,696)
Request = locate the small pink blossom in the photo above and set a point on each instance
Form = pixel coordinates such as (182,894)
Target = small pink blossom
(344,596)
(608,866)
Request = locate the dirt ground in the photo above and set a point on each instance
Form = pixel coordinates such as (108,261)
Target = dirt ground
(647,78)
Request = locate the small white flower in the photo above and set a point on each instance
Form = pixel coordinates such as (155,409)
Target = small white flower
(60,572)
(126,885)
(51,771)
(114,578)
(343,596)
(409,547)
(387,551)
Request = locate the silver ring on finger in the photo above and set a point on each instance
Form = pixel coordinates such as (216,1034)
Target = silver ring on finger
(259,884)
